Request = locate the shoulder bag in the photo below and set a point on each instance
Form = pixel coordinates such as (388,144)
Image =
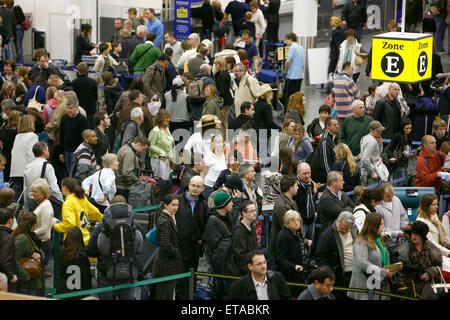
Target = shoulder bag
(33,103)
(31,266)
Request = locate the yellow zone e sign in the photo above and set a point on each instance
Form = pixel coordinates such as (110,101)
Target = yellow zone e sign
(401,57)
(182,13)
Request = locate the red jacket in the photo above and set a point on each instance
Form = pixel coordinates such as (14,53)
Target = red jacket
(427,167)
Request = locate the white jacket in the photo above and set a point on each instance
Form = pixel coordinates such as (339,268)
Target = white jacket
(248,90)
(360,213)
(185,57)
(370,154)
(108,181)
(22,153)
(433,236)
(394,221)
(44,217)
(260,24)
(356,48)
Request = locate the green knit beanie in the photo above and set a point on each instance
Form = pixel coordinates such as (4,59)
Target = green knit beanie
(221,199)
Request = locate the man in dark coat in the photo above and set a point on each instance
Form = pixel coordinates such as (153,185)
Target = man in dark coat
(333,201)
(327,155)
(237,11)
(86,90)
(335,244)
(272,285)
(102,122)
(244,235)
(387,111)
(206,13)
(247,112)
(354,16)
(322,287)
(192,217)
(7,250)
(306,198)
(285,202)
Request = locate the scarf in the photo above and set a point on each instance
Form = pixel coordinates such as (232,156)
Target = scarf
(384,254)
(309,199)
(442,235)
(348,52)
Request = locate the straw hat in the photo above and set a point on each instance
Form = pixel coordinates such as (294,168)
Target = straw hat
(264,89)
(208,120)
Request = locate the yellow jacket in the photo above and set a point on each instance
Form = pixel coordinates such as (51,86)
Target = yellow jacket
(75,213)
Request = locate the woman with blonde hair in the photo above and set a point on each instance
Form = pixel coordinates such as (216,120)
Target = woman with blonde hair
(223,82)
(346,164)
(337,37)
(427,213)
(44,214)
(22,152)
(8,91)
(296,108)
(369,258)
(215,163)
(299,143)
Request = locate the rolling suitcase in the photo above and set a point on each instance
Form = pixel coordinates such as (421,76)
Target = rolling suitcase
(410,198)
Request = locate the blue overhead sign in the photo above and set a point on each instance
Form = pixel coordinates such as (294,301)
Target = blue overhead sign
(182,24)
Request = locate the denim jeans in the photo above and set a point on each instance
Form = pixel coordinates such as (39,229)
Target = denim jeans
(308,231)
(123,294)
(68,157)
(439,34)
(19,47)
(7,54)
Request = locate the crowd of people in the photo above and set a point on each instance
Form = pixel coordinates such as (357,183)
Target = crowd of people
(196,133)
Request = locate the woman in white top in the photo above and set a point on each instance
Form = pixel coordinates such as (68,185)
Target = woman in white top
(214,164)
(427,213)
(348,51)
(103,182)
(258,19)
(44,217)
(366,204)
(188,53)
(22,152)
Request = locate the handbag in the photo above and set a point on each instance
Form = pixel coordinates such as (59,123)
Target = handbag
(121,69)
(440,288)
(219,28)
(382,171)
(153,237)
(31,266)
(33,103)
(360,60)
(55,202)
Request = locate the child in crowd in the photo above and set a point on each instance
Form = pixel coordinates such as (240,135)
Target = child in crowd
(369,100)
(249,25)
(51,104)
(300,144)
(2,167)
(244,58)
(330,101)
(440,132)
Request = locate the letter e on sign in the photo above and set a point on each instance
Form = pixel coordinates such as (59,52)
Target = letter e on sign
(422,63)
(392,64)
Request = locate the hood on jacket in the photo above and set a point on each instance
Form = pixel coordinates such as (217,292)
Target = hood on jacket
(216,100)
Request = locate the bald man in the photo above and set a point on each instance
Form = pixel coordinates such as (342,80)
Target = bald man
(85,162)
(388,111)
(192,217)
(306,199)
(429,164)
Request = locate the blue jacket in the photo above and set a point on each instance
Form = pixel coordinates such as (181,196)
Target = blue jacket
(40,94)
(157,28)
(237,10)
(304,149)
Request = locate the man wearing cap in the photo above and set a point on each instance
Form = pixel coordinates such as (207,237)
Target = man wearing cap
(388,112)
(217,232)
(371,149)
(355,127)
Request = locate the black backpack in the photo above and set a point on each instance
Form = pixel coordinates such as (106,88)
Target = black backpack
(177,174)
(119,232)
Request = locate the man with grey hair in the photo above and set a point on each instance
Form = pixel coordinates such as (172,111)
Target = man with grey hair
(306,198)
(333,201)
(355,127)
(246,87)
(85,162)
(73,123)
(194,39)
(138,38)
(252,191)
(131,128)
(335,248)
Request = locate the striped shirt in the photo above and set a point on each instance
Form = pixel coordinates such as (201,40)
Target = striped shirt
(345,91)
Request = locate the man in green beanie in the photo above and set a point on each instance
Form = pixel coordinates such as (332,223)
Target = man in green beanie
(219,243)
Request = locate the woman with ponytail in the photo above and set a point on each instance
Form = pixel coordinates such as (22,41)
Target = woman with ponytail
(176,101)
(76,210)
(427,213)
